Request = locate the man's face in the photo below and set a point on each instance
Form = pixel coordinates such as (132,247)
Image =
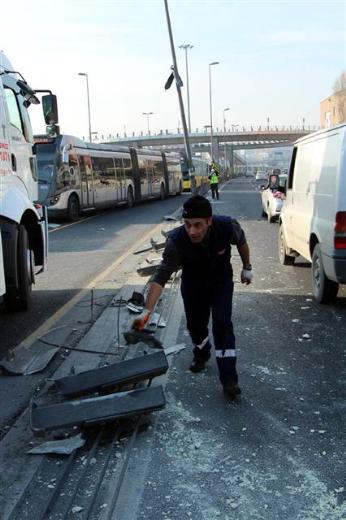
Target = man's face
(197,228)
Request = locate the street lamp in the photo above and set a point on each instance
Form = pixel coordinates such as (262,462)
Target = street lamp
(187,46)
(88,99)
(148,114)
(210,109)
(224,118)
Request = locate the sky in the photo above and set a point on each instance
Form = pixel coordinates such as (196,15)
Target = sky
(277,59)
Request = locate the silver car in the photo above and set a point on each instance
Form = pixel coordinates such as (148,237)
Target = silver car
(272,196)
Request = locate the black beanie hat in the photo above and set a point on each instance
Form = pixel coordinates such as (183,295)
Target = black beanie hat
(197,207)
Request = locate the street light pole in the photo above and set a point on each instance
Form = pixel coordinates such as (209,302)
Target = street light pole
(224,118)
(187,46)
(178,84)
(88,98)
(224,129)
(148,114)
(211,109)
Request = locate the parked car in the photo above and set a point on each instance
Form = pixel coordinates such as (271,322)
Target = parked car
(273,195)
(313,218)
(261,175)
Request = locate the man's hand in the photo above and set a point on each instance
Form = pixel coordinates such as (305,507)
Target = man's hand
(140,322)
(246,276)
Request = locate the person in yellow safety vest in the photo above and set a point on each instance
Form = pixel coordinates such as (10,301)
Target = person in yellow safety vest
(214,183)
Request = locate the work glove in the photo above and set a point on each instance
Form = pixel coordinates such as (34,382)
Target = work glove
(246,276)
(140,322)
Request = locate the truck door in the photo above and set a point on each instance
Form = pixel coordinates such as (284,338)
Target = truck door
(20,139)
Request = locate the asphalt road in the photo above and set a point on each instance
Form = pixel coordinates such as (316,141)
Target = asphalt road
(280,452)
(78,253)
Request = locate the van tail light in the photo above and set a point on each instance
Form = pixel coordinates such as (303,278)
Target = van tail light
(340,222)
(340,227)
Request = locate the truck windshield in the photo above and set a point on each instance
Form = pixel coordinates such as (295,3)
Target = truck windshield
(45,154)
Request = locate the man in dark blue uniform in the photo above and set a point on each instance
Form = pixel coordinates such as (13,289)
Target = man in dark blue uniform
(202,249)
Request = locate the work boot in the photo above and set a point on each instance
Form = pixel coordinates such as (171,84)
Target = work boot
(231,389)
(197,365)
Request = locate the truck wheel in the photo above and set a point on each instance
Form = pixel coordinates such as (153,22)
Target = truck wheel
(73,208)
(130,199)
(284,258)
(162,192)
(324,290)
(19,299)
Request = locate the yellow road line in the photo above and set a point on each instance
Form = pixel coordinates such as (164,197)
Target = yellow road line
(72,223)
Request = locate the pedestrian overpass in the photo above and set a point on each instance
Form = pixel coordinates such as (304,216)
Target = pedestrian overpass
(223,143)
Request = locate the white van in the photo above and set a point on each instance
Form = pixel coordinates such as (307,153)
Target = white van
(313,217)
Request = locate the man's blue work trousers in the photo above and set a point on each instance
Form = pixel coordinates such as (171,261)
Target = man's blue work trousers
(200,297)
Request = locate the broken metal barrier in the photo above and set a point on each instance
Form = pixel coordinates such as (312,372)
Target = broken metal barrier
(105,378)
(100,409)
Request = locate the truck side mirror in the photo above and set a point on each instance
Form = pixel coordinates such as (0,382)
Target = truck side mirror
(50,109)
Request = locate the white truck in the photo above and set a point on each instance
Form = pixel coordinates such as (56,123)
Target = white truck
(23,224)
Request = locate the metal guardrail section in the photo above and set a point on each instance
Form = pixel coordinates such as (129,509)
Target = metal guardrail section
(97,409)
(105,378)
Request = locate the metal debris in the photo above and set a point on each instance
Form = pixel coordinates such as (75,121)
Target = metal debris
(60,447)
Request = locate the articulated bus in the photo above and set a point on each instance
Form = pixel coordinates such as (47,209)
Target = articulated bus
(75,176)
(201,174)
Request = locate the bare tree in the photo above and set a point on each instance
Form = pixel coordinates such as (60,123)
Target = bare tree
(339,90)
(340,83)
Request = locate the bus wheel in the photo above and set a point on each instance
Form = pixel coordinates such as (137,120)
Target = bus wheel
(162,192)
(73,208)
(324,289)
(17,299)
(130,199)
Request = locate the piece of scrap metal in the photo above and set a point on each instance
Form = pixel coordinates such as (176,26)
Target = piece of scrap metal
(135,336)
(107,377)
(26,360)
(134,309)
(156,320)
(93,410)
(147,270)
(174,349)
(60,446)
(157,245)
(170,217)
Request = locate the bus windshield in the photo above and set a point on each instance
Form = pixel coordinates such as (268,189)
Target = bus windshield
(45,154)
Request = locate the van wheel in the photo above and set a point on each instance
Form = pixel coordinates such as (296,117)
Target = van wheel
(324,290)
(162,192)
(284,258)
(130,199)
(18,299)
(73,208)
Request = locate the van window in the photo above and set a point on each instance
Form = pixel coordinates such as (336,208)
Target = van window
(291,172)
(13,109)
